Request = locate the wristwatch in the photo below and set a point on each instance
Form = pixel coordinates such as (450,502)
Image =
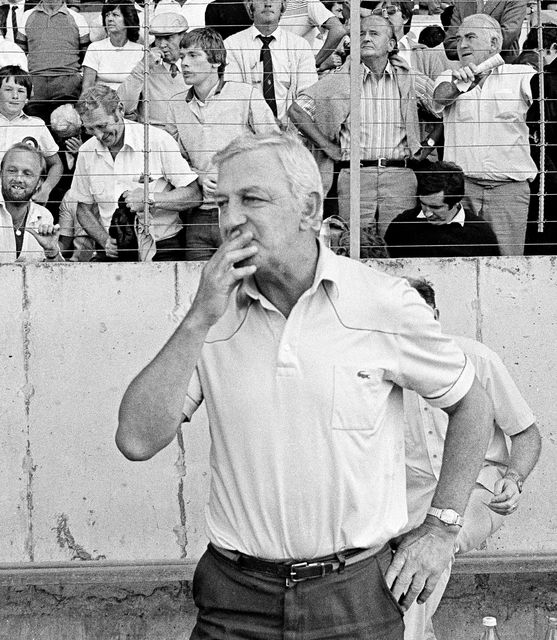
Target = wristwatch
(447,516)
(515,477)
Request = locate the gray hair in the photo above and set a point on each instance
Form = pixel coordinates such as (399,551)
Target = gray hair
(100,95)
(490,27)
(299,166)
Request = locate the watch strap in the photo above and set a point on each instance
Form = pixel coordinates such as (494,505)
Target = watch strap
(516,477)
(448,517)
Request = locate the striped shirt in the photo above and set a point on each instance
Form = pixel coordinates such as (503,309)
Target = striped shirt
(383,132)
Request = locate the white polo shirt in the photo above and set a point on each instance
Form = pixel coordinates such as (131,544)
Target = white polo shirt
(305,413)
(426,427)
(22,127)
(102,179)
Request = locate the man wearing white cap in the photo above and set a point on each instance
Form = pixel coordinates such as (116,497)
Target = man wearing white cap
(164,78)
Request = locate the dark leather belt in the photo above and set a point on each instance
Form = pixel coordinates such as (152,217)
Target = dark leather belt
(298,571)
(380,162)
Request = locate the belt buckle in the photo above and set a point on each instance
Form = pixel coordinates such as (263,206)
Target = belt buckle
(382,162)
(294,579)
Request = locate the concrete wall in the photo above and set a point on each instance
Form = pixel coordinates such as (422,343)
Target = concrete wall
(73,337)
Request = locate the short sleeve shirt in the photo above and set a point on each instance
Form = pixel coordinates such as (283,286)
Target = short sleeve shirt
(305,413)
(29,129)
(304,17)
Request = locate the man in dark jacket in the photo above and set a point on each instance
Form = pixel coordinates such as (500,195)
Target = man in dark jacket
(440,226)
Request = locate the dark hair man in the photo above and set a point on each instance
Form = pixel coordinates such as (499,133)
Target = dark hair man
(498,488)
(440,226)
(27,230)
(307,452)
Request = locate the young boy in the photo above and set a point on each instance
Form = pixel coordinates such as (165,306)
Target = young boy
(16,126)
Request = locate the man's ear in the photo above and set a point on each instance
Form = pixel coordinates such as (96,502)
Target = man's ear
(311,217)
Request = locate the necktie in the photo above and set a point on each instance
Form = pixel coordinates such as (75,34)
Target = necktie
(268,80)
(173,69)
(14,21)
(4,8)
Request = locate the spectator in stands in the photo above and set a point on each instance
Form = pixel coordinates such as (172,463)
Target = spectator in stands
(204,120)
(276,61)
(510,15)
(498,487)
(11,13)
(112,162)
(440,227)
(27,230)
(390,133)
(111,60)
(55,38)
(336,8)
(305,18)
(432,36)
(193,11)
(10,52)
(16,126)
(544,242)
(75,243)
(486,132)
(164,77)
(227,17)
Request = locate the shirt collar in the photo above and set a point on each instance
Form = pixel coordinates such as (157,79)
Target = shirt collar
(255,33)
(326,271)
(367,71)
(459,218)
(21,116)
(191,95)
(62,9)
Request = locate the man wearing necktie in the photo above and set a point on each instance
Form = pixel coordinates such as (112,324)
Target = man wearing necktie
(278,62)
(9,18)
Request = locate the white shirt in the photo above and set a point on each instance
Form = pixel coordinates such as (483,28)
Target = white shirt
(305,412)
(19,11)
(459,218)
(31,250)
(304,17)
(11,53)
(426,427)
(192,10)
(112,64)
(293,64)
(24,126)
(485,128)
(100,178)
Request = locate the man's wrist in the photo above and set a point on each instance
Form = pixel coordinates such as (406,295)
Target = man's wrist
(433,522)
(516,477)
(53,256)
(448,517)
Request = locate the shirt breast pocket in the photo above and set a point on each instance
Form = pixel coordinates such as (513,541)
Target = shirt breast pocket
(507,107)
(359,398)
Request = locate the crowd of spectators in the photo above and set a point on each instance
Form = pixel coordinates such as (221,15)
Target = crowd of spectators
(456,124)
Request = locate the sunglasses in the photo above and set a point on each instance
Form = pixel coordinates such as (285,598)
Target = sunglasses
(390,10)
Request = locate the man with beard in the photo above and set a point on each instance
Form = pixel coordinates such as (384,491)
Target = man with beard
(27,229)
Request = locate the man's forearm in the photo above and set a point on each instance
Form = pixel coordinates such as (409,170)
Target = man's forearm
(445,94)
(307,126)
(55,170)
(335,34)
(468,433)
(151,409)
(91,224)
(525,450)
(179,199)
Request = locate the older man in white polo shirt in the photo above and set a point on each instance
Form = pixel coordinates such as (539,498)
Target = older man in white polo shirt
(300,356)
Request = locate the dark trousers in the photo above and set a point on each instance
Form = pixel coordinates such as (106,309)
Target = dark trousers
(355,604)
(49,92)
(202,233)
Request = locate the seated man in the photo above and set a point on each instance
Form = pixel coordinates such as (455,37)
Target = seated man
(27,230)
(204,120)
(440,226)
(486,132)
(16,126)
(278,62)
(499,484)
(112,162)
(163,79)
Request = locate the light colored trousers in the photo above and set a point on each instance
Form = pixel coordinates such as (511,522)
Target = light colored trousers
(480,523)
(385,192)
(505,206)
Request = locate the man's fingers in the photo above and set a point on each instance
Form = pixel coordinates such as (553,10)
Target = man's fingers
(427,590)
(397,563)
(416,588)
